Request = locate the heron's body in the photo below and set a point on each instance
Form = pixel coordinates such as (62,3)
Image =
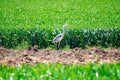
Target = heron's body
(59,37)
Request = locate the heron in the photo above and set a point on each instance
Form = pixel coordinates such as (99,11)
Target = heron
(60,36)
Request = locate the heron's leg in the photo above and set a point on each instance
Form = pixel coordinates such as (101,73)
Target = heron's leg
(57,46)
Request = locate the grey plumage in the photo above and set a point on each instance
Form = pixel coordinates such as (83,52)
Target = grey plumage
(59,37)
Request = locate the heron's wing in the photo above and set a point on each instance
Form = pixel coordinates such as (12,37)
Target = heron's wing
(58,38)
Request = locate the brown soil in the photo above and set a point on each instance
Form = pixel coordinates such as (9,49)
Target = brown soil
(34,55)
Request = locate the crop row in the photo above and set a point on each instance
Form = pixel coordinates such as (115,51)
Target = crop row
(12,37)
(57,71)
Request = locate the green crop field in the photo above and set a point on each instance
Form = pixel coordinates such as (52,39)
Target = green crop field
(38,22)
(26,23)
(54,13)
(61,72)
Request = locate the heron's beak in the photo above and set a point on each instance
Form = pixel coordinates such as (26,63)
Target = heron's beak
(66,24)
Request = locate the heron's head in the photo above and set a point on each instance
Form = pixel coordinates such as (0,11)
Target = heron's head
(65,25)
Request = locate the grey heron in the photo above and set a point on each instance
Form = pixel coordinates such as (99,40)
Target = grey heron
(60,36)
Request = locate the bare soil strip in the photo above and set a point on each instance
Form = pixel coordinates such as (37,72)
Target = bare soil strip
(72,56)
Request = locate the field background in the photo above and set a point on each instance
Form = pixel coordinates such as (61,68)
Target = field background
(26,23)
(54,13)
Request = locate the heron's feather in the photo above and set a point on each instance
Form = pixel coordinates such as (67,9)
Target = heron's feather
(58,38)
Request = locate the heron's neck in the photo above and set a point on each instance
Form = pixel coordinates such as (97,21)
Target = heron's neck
(63,29)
